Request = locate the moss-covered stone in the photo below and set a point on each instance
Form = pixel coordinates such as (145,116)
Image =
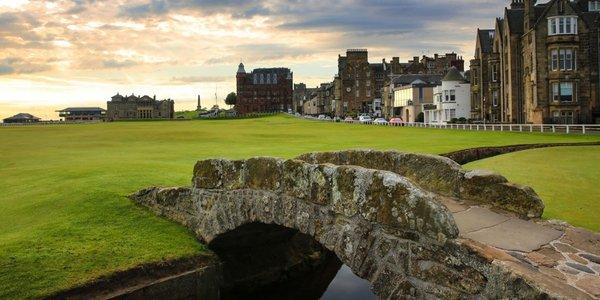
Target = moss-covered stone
(491,188)
(263,173)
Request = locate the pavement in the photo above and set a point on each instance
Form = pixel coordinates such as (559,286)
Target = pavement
(554,254)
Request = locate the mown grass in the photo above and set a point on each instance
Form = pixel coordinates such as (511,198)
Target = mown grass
(566,178)
(64,215)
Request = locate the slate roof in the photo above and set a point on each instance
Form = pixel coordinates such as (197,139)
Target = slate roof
(23,116)
(453,75)
(410,78)
(486,37)
(515,19)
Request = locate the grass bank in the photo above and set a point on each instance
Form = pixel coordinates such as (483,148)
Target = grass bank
(64,218)
(565,177)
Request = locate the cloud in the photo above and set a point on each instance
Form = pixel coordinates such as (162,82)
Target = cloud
(200,79)
(14,65)
(119,64)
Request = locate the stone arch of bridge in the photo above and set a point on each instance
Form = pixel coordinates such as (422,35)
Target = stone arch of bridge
(386,225)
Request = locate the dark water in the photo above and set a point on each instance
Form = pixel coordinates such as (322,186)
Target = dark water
(348,286)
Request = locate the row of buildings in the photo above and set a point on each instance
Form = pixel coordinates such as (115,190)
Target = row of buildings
(360,87)
(118,108)
(539,64)
(389,89)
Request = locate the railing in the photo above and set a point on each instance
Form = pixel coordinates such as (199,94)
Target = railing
(49,123)
(542,128)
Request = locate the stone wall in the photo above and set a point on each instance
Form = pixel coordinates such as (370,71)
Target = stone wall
(443,176)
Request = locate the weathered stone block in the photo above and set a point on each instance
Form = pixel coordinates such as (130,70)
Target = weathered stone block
(263,173)
(218,174)
(491,188)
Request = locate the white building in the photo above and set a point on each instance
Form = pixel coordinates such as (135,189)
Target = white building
(451,100)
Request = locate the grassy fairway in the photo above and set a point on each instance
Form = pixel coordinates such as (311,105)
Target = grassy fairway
(565,177)
(64,218)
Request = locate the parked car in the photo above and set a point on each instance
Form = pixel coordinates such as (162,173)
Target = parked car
(349,120)
(321,117)
(396,122)
(380,121)
(327,118)
(365,119)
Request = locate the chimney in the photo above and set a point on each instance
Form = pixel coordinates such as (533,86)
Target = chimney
(154,97)
(517,4)
(529,13)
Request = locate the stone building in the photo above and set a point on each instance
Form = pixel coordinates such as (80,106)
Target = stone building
(539,65)
(451,99)
(411,92)
(138,108)
(264,90)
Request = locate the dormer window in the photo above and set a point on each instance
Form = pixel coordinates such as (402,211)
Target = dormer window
(594,6)
(562,25)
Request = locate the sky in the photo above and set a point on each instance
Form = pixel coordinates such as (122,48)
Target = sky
(58,54)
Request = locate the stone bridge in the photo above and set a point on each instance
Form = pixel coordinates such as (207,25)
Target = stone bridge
(414,226)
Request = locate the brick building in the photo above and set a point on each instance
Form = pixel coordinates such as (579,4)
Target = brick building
(138,108)
(264,90)
(539,64)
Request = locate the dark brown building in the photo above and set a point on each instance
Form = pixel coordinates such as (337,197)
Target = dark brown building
(264,90)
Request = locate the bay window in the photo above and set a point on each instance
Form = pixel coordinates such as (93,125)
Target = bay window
(562,25)
(554,60)
(563,59)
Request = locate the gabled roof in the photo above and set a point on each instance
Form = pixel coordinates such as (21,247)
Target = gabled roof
(515,19)
(453,75)
(486,38)
(407,79)
(23,116)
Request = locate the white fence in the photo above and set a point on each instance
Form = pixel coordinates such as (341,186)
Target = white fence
(543,128)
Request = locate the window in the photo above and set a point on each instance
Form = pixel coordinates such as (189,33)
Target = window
(268,78)
(569,62)
(552,27)
(452,95)
(563,91)
(356,83)
(594,6)
(494,73)
(255,78)
(368,93)
(368,82)
(562,25)
(420,94)
(555,91)
(563,59)
(262,78)
(357,94)
(566,92)
(554,60)
(495,98)
(274,78)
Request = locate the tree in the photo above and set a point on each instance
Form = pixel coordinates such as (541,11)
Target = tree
(231,99)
